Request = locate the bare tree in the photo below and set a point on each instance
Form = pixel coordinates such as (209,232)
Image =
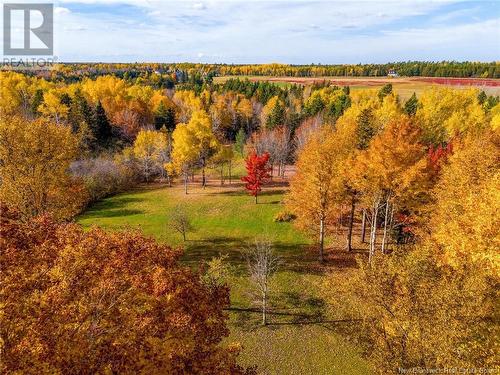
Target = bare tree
(306,130)
(180,222)
(262,264)
(283,143)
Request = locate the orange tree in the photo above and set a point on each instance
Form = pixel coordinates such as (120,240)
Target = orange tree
(76,302)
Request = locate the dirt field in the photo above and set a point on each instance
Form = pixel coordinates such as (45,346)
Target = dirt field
(404,86)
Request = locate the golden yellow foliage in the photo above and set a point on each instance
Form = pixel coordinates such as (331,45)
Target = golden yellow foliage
(444,113)
(317,188)
(465,222)
(34,170)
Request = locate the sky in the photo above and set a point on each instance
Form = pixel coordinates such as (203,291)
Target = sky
(294,32)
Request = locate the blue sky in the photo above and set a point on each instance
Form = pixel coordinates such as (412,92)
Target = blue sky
(297,32)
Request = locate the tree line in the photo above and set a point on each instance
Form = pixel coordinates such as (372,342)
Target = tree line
(420,177)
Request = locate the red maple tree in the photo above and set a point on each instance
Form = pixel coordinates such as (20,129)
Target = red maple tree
(257,173)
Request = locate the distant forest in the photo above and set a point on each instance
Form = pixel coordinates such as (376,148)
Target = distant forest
(181,71)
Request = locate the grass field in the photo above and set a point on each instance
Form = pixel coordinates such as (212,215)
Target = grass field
(403,86)
(301,337)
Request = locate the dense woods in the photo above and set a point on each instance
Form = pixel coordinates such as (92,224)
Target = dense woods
(420,178)
(193,73)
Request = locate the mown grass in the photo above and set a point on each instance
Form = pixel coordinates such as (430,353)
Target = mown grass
(301,337)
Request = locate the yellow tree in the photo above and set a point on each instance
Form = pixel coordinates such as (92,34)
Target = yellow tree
(390,171)
(444,113)
(317,189)
(52,107)
(35,157)
(149,147)
(194,143)
(465,222)
(223,156)
(17,93)
(184,154)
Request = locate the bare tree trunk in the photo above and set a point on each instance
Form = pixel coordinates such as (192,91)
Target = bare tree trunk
(363,226)
(203,179)
(321,238)
(222,175)
(351,224)
(185,183)
(385,223)
(256,197)
(373,232)
(264,307)
(230,165)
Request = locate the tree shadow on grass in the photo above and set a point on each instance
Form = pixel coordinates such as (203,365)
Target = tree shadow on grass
(113,208)
(292,256)
(97,214)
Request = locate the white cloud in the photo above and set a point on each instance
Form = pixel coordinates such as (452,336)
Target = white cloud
(199,6)
(61,10)
(262,31)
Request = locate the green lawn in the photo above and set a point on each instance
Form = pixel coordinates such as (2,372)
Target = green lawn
(301,338)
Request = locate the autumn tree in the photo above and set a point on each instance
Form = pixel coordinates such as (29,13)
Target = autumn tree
(149,147)
(317,189)
(194,142)
(35,158)
(105,302)
(444,113)
(414,313)
(464,222)
(223,157)
(390,174)
(53,107)
(257,173)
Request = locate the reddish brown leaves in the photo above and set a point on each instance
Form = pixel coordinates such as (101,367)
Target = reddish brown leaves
(257,172)
(91,302)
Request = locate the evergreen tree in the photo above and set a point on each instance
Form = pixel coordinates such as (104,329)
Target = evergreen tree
(482,97)
(384,91)
(277,116)
(101,126)
(365,129)
(79,112)
(36,102)
(411,105)
(65,99)
(240,141)
(165,117)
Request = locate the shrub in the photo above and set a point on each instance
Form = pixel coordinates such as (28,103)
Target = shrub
(104,176)
(284,217)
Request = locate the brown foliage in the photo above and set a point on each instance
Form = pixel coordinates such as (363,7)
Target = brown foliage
(78,302)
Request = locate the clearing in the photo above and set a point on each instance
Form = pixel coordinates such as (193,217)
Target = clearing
(302,337)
